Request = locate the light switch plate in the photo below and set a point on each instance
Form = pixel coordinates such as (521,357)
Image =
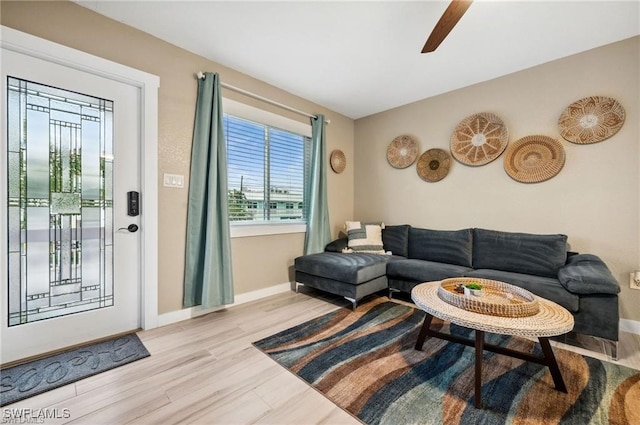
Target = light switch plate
(632,282)
(173,180)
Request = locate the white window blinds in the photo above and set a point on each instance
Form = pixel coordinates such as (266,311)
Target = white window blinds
(267,168)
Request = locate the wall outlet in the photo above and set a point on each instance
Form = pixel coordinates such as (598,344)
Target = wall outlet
(632,282)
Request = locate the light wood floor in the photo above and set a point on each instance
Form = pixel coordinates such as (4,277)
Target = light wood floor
(206,371)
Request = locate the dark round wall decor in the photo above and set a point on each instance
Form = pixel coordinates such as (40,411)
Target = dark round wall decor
(433,165)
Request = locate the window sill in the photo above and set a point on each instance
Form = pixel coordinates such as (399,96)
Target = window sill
(248,230)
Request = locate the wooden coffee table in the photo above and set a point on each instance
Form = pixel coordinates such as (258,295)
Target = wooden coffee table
(551,320)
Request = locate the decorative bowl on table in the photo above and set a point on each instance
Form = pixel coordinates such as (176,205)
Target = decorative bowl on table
(497,298)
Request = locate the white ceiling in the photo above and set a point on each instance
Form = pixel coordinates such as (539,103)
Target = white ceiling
(363,57)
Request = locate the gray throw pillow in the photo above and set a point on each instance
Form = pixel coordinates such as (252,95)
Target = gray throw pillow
(336,246)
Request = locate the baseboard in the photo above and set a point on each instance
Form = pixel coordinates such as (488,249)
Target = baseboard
(626,325)
(188,313)
(631,326)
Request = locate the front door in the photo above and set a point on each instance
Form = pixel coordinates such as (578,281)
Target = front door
(70,154)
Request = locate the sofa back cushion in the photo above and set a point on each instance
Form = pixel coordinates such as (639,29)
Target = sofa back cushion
(396,239)
(539,255)
(442,246)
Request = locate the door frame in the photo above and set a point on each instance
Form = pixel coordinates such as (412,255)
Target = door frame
(147,85)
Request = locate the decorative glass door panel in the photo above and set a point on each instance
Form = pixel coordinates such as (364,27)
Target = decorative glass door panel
(60,201)
(69,153)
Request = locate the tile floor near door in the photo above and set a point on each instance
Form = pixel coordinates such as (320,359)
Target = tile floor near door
(206,371)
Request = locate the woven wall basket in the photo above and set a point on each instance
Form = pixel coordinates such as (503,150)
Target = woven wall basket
(479,139)
(338,161)
(590,120)
(498,298)
(402,152)
(534,159)
(433,165)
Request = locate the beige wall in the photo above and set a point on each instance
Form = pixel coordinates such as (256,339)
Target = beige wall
(258,262)
(594,199)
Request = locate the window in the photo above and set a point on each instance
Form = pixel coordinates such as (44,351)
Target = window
(267,167)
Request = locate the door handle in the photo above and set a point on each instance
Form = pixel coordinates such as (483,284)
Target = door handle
(131,228)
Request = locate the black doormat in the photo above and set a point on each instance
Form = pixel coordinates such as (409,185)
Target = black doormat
(35,377)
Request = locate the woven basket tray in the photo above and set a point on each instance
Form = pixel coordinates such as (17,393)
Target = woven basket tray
(498,298)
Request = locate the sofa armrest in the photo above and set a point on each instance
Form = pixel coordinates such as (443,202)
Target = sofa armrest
(587,274)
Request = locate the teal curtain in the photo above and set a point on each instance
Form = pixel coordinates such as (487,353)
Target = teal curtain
(318,230)
(208,278)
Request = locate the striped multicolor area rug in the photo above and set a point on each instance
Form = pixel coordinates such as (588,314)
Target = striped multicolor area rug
(364,361)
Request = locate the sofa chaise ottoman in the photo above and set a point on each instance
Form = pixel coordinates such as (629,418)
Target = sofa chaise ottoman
(353,276)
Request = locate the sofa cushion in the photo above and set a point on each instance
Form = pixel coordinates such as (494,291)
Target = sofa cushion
(587,274)
(423,271)
(544,287)
(540,255)
(365,237)
(349,268)
(441,246)
(396,239)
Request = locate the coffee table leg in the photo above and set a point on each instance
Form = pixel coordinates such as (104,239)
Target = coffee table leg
(552,363)
(423,331)
(478,377)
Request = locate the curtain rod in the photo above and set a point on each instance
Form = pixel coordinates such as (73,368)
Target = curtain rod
(263,99)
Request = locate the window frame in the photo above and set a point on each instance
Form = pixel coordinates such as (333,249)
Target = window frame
(241,229)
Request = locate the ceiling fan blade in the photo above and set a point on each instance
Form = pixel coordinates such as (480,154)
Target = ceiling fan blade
(447,21)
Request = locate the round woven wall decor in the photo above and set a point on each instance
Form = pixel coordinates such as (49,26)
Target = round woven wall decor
(590,120)
(534,159)
(479,139)
(338,161)
(433,165)
(402,152)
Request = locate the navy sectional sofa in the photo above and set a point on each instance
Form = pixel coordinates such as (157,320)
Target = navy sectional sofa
(541,264)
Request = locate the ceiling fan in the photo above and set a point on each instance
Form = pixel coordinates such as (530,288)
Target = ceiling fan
(447,21)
